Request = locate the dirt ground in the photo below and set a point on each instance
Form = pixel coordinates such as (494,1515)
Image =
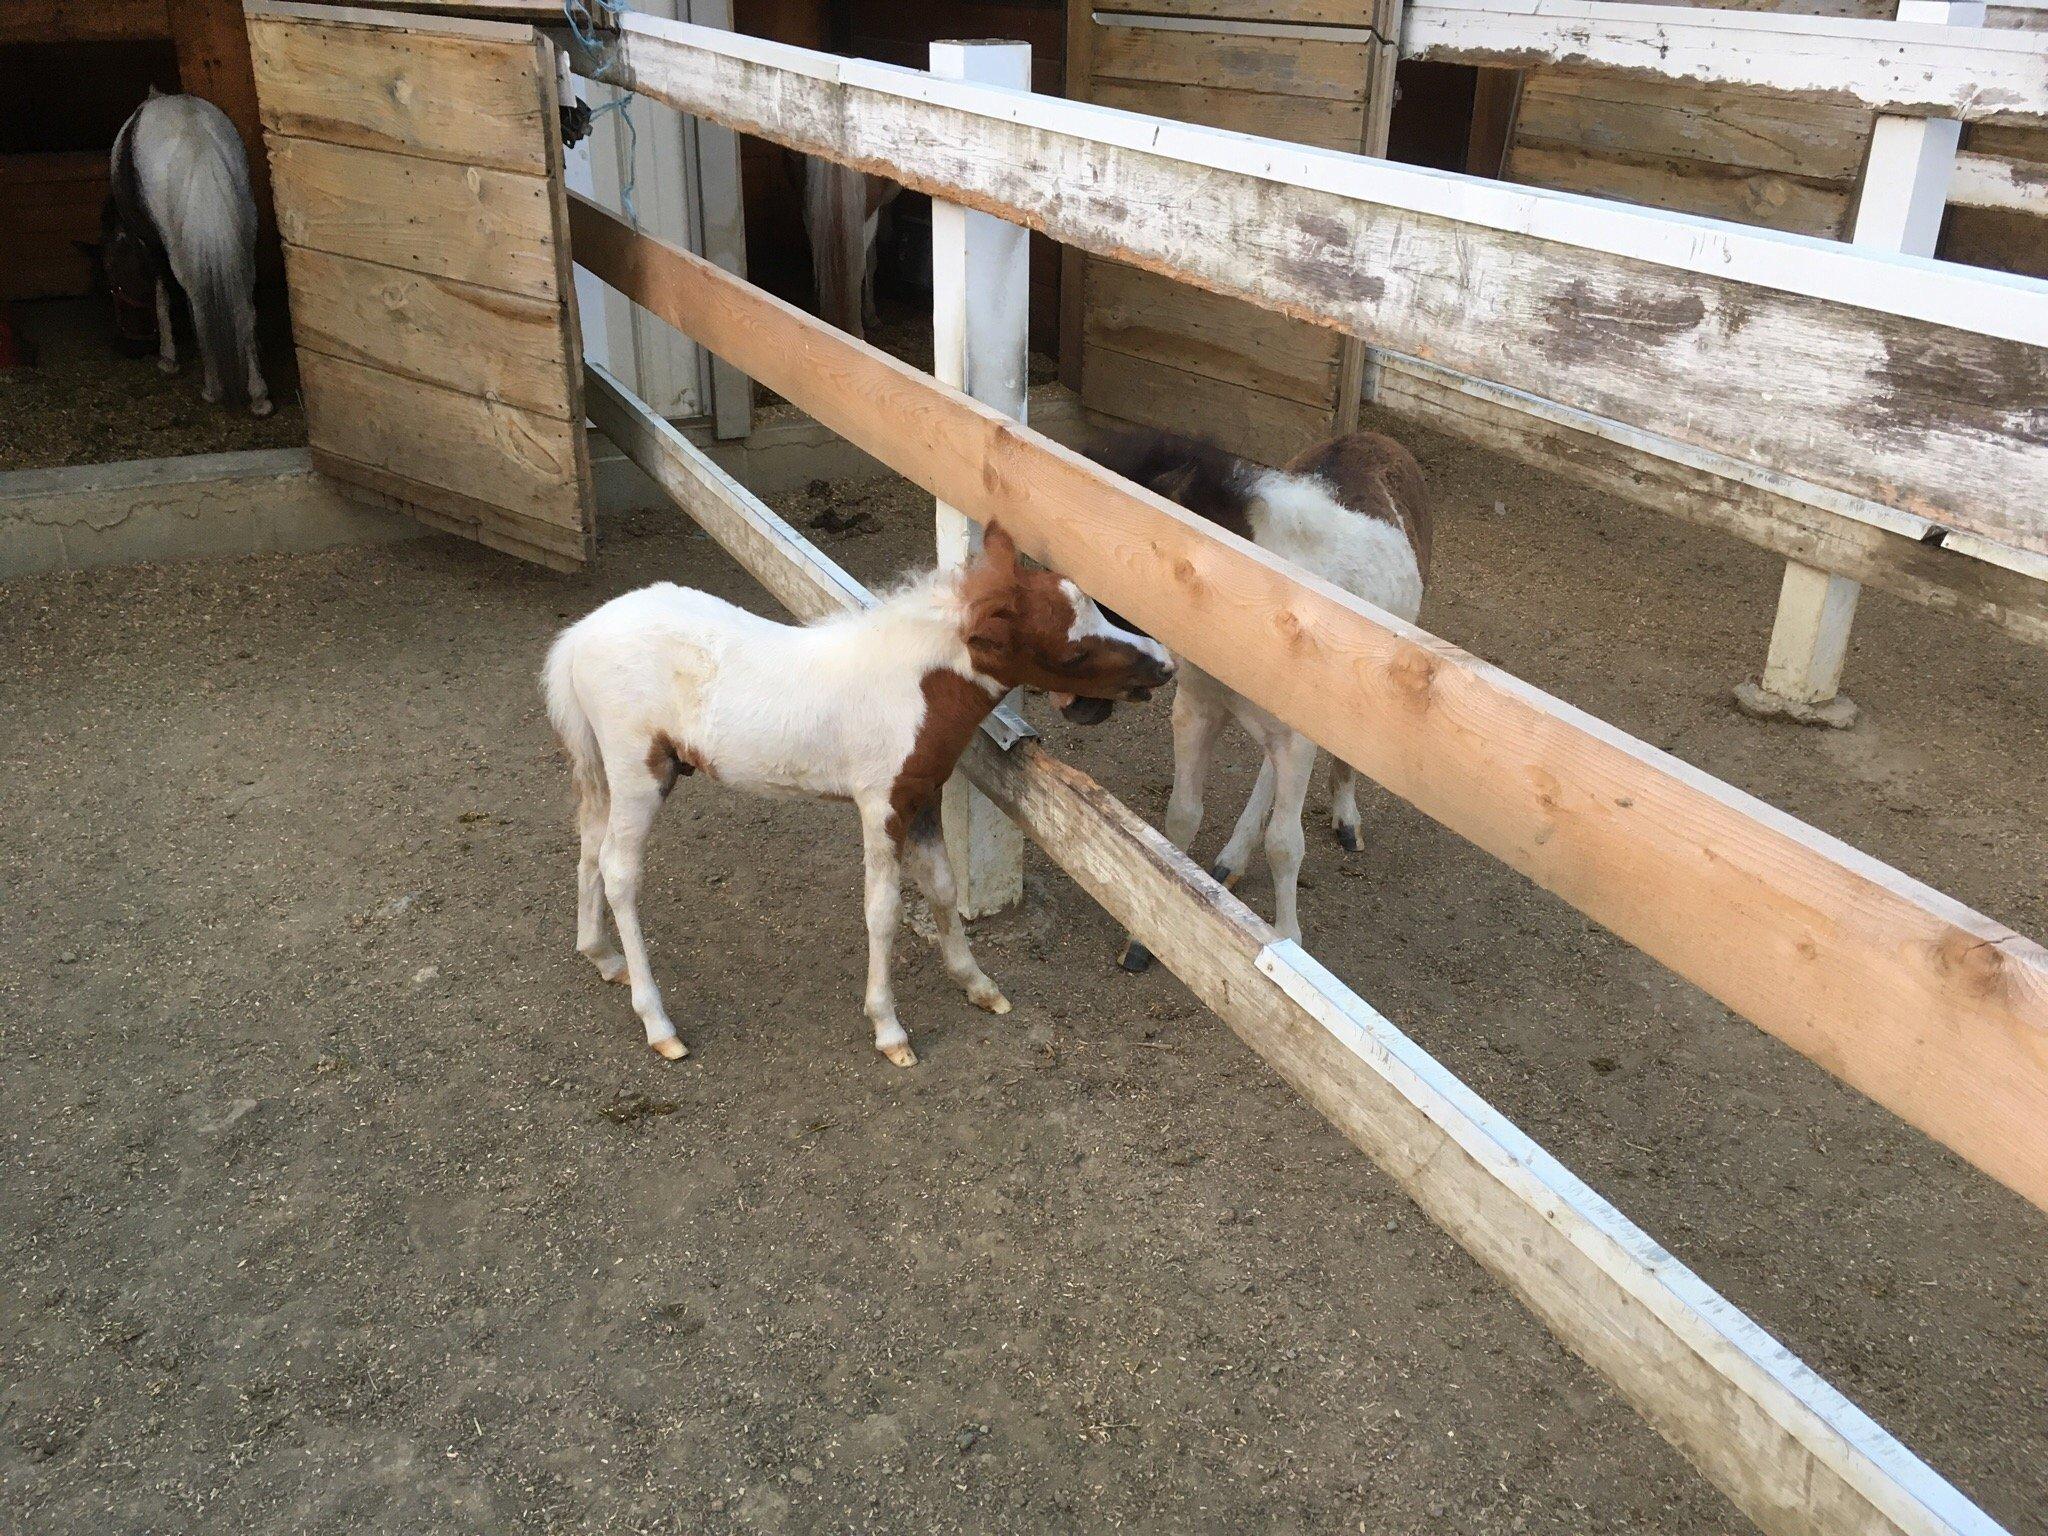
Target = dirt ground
(341,1196)
(85,403)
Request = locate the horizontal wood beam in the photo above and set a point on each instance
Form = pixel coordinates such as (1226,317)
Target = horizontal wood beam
(1788,1449)
(1901,68)
(1999,181)
(1892,551)
(84,21)
(1908,382)
(1934,1010)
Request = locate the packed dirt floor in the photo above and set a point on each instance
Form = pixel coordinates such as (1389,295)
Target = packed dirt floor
(342,1197)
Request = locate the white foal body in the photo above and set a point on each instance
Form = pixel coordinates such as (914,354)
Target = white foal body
(872,707)
(1352,510)
(779,709)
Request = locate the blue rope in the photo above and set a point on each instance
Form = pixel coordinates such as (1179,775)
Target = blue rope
(583,19)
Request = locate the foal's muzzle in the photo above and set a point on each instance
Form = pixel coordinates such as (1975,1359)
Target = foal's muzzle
(1083,711)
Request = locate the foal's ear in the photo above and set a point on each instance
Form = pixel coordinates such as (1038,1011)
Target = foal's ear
(998,548)
(991,626)
(1174,484)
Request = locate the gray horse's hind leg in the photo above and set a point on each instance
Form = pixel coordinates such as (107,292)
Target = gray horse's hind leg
(166,343)
(245,342)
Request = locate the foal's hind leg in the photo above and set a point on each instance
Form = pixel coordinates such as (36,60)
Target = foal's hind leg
(593,809)
(635,799)
(932,868)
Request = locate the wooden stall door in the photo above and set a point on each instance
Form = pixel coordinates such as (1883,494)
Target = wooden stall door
(417,167)
(1142,347)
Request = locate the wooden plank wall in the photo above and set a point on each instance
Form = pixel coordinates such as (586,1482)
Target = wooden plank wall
(1146,348)
(1751,158)
(417,164)
(48,203)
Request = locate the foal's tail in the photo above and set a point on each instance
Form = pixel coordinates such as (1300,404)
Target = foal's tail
(565,711)
(219,279)
(194,175)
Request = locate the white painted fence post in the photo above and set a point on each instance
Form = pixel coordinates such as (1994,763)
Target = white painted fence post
(1905,189)
(722,227)
(981,312)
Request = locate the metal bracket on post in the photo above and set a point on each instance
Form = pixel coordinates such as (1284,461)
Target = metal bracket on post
(1005,727)
(1905,191)
(981,311)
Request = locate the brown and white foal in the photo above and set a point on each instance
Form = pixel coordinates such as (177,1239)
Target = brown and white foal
(1353,510)
(873,706)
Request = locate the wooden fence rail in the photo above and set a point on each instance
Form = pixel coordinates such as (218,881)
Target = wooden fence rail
(1912,383)
(1934,1010)
(1903,68)
(1788,1449)
(1892,551)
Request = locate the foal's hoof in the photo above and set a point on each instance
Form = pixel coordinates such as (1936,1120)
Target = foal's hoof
(260,408)
(1347,838)
(1226,877)
(670,1049)
(1136,958)
(167,365)
(610,967)
(987,995)
(901,1055)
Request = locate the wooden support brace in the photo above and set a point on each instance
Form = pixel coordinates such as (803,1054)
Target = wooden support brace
(1905,190)
(1788,1449)
(981,318)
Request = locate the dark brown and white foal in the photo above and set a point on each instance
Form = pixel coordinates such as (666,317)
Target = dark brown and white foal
(1353,510)
(873,706)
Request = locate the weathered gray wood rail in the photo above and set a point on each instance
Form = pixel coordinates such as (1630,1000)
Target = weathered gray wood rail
(1902,68)
(1920,385)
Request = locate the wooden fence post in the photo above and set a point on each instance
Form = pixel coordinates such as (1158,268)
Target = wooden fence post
(981,314)
(1905,189)
(1357,368)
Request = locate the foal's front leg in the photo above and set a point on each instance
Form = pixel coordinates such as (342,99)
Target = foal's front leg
(932,867)
(884,906)
(1294,761)
(1199,709)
